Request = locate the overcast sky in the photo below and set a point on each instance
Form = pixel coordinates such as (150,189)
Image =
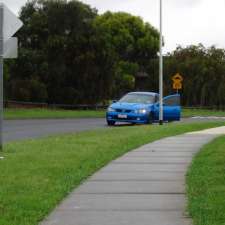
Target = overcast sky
(185,22)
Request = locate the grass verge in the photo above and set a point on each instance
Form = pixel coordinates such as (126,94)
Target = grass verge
(70,114)
(202,112)
(206,185)
(37,174)
(51,114)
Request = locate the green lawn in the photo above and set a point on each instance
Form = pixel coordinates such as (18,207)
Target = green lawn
(51,114)
(202,112)
(36,174)
(206,185)
(67,114)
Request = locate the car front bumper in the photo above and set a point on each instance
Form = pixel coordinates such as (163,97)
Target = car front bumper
(128,117)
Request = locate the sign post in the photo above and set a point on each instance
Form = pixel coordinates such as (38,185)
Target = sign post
(9,25)
(161,69)
(1,71)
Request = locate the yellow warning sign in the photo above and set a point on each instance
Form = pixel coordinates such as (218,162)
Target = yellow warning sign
(177,81)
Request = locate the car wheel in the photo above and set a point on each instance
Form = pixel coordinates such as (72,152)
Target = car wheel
(110,123)
(150,119)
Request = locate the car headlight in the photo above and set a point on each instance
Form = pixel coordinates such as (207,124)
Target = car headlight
(110,109)
(141,111)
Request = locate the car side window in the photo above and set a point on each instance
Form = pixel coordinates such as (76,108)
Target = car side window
(172,101)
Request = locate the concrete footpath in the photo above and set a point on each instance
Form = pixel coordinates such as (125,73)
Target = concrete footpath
(144,187)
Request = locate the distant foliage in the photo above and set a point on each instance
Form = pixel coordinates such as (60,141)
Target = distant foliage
(69,54)
(203,70)
(134,44)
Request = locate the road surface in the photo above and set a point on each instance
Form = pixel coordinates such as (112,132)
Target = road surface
(25,129)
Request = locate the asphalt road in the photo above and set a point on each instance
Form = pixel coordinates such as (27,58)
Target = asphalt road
(25,129)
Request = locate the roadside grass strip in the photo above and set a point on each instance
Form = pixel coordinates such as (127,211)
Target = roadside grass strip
(51,114)
(206,185)
(202,112)
(37,174)
(70,114)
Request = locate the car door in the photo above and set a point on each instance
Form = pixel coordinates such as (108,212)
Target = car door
(171,108)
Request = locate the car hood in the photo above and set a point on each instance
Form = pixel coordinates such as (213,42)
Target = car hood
(131,106)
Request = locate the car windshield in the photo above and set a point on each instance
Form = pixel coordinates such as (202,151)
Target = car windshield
(138,98)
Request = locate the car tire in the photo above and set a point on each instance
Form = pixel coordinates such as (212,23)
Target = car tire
(110,123)
(150,119)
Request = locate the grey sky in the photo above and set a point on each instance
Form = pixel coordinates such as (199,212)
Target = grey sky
(185,21)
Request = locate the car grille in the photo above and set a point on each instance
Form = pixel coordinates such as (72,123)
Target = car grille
(123,110)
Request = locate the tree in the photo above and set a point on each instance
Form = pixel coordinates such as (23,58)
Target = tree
(204,75)
(62,51)
(134,43)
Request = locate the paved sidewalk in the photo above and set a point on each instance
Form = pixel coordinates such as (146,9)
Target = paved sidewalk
(144,187)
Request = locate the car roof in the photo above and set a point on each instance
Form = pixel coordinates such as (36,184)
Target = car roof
(144,92)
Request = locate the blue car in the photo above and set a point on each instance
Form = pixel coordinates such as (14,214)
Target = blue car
(143,108)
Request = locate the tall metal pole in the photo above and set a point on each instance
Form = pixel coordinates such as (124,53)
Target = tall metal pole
(161,69)
(1,74)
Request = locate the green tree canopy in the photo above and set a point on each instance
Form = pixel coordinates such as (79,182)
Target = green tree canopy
(131,38)
(133,41)
(61,53)
(203,70)
(69,54)
(73,55)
